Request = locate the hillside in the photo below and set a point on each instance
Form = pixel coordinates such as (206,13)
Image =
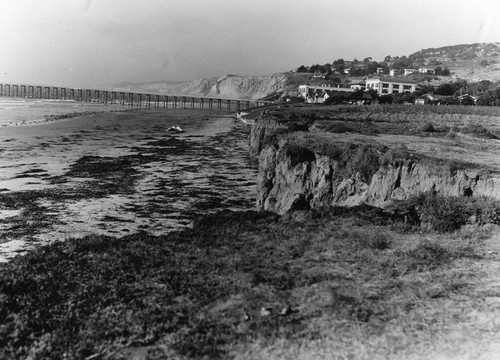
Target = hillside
(472,62)
(227,86)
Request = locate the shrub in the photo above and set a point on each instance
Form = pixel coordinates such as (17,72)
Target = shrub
(298,126)
(298,154)
(478,130)
(426,127)
(443,213)
(338,128)
(364,160)
(386,99)
(450,213)
(427,255)
(394,154)
(273,138)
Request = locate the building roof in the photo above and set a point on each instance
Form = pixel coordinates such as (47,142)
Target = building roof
(394,80)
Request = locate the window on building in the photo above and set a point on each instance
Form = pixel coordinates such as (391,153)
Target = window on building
(395,86)
(385,85)
(395,91)
(384,91)
(407,87)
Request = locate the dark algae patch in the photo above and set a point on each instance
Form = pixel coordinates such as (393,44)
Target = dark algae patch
(163,182)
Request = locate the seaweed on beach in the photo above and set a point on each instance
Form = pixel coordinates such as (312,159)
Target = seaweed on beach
(111,175)
(33,219)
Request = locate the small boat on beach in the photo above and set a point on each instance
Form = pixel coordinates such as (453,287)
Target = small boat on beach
(176,129)
(240,116)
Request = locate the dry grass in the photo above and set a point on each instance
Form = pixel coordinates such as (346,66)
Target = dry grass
(332,285)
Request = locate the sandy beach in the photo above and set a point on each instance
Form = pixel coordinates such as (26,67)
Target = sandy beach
(119,173)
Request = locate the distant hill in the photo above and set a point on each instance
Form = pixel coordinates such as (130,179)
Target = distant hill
(128,84)
(227,86)
(472,62)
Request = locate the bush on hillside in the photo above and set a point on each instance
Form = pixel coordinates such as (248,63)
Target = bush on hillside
(478,130)
(450,213)
(298,154)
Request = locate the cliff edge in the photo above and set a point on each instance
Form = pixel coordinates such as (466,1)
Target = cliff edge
(326,165)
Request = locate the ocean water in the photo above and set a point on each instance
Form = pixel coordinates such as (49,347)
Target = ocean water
(20,111)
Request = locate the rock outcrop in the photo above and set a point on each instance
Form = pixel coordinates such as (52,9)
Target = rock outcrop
(283,186)
(262,129)
(306,178)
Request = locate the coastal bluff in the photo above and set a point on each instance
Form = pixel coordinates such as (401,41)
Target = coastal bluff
(320,166)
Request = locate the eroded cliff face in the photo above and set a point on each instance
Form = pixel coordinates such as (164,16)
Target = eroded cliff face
(261,129)
(227,86)
(305,178)
(284,185)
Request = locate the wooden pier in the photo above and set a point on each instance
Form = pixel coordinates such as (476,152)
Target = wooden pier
(124,98)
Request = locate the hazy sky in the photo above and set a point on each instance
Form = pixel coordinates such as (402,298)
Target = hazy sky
(100,42)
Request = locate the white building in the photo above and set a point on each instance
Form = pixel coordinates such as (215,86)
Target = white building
(385,86)
(359,86)
(426,71)
(409,71)
(318,94)
(394,72)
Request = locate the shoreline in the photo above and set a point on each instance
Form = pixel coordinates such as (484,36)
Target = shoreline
(48,119)
(103,174)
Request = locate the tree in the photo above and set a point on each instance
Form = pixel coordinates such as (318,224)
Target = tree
(445,89)
(302,69)
(373,93)
(339,65)
(402,63)
(398,98)
(371,67)
(483,85)
(329,73)
(385,99)
(314,68)
(335,80)
(340,68)
(356,96)
(424,89)
(356,71)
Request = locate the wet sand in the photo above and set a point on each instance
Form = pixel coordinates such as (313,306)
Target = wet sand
(119,173)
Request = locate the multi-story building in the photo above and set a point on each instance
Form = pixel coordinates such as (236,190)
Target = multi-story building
(385,86)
